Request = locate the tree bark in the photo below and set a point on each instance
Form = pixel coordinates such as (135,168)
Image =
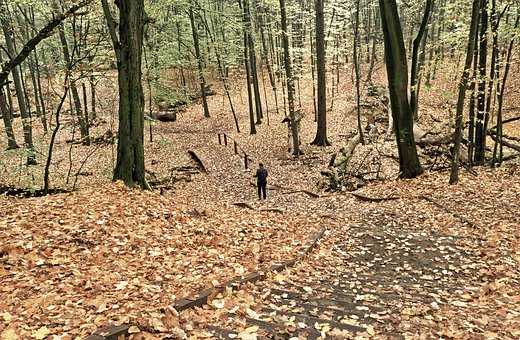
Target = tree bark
(130,149)
(414,85)
(397,69)
(246,32)
(454,176)
(480,133)
(8,122)
(202,80)
(85,138)
(321,133)
(356,60)
(290,81)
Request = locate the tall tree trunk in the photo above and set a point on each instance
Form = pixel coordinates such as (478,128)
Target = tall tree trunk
(321,133)
(246,32)
(500,100)
(454,176)
(32,61)
(473,100)
(179,49)
(494,71)
(85,138)
(480,134)
(130,149)
(202,80)
(38,80)
(295,121)
(414,85)
(267,60)
(357,61)
(221,68)
(252,61)
(397,69)
(92,81)
(7,117)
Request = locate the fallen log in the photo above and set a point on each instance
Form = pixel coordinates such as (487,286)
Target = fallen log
(510,120)
(277,210)
(168,112)
(198,160)
(167,116)
(505,143)
(307,192)
(365,198)
(244,205)
(346,153)
(433,140)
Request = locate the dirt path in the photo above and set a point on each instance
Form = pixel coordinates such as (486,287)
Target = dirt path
(376,277)
(407,267)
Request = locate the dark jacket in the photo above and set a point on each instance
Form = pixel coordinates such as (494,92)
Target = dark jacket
(261,175)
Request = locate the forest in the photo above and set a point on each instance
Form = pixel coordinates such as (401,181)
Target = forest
(259,169)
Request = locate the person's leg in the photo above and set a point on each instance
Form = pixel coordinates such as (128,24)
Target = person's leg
(264,190)
(259,185)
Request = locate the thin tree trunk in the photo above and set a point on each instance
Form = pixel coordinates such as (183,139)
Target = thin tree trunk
(290,81)
(356,60)
(480,134)
(246,33)
(202,81)
(85,138)
(267,61)
(500,101)
(252,62)
(454,176)
(414,85)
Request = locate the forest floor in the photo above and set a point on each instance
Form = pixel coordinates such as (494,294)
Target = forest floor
(427,259)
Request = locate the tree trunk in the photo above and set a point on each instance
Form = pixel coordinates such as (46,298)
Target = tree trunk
(130,150)
(454,176)
(499,136)
(480,134)
(202,81)
(85,138)
(290,81)
(246,33)
(268,62)
(494,71)
(356,60)
(221,68)
(397,69)
(414,86)
(252,61)
(8,122)
(92,81)
(321,133)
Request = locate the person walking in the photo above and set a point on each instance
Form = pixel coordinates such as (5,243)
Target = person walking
(261,180)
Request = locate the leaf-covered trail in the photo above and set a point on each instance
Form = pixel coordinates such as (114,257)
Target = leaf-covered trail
(379,279)
(379,276)
(439,261)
